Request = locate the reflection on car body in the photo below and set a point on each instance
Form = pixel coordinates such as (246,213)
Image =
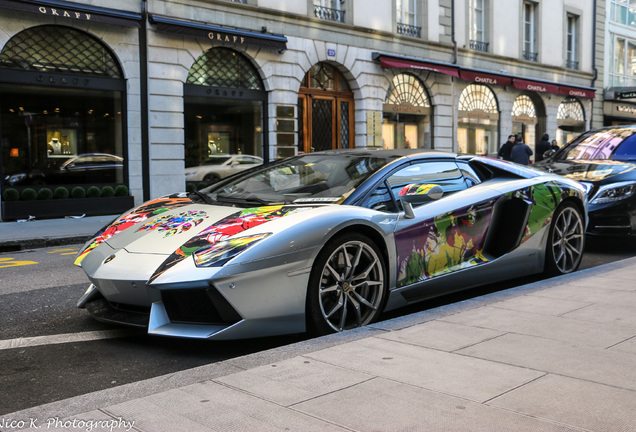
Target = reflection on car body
(325,242)
(604,161)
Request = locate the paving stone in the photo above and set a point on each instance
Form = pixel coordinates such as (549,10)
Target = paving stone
(557,328)
(580,403)
(606,314)
(294,380)
(540,305)
(610,367)
(436,370)
(441,335)
(223,409)
(385,405)
(592,294)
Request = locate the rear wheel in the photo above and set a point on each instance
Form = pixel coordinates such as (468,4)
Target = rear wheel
(347,285)
(566,240)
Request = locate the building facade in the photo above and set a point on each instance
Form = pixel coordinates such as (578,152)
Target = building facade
(619,62)
(111,93)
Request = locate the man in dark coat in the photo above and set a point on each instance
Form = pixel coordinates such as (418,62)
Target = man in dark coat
(506,148)
(542,147)
(521,153)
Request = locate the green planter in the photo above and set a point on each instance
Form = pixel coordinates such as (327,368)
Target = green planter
(56,208)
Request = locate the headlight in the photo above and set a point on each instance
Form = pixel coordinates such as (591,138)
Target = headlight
(191,173)
(223,251)
(17,178)
(614,192)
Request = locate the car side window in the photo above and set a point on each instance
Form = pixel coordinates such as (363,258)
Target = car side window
(443,173)
(380,199)
(626,150)
(470,176)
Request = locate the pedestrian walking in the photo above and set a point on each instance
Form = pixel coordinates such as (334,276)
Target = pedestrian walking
(521,153)
(506,148)
(542,147)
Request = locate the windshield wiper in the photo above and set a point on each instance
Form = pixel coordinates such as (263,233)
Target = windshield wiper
(203,197)
(247,199)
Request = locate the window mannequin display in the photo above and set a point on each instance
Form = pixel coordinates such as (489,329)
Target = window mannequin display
(54,147)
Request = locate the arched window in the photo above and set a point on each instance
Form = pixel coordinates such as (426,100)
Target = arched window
(406,121)
(56,49)
(570,120)
(61,94)
(224,113)
(405,89)
(523,107)
(478,120)
(477,97)
(570,110)
(223,67)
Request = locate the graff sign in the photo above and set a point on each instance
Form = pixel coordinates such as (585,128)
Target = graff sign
(226,38)
(64,13)
(66,81)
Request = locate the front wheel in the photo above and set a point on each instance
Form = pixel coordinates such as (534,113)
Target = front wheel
(566,240)
(347,285)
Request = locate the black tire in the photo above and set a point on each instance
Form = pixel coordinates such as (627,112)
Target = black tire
(566,240)
(347,285)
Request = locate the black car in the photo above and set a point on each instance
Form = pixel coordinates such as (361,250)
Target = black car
(83,168)
(604,160)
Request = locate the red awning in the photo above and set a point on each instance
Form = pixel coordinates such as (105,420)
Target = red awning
(388,62)
(485,78)
(577,92)
(535,86)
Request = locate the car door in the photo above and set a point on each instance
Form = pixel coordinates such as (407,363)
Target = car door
(444,235)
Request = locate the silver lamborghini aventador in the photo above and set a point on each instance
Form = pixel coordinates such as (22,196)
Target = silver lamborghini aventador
(325,242)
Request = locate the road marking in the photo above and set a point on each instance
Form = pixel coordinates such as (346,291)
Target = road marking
(64,251)
(8,262)
(64,338)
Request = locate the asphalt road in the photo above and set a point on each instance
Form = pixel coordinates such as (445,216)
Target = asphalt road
(50,350)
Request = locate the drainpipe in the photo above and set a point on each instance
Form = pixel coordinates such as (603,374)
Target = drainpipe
(143,88)
(593,60)
(453,31)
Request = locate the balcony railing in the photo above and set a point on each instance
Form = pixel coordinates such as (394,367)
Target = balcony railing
(572,64)
(530,56)
(329,14)
(478,45)
(409,30)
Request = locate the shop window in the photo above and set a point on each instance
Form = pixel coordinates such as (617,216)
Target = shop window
(570,120)
(406,119)
(51,131)
(325,109)
(478,121)
(524,120)
(224,109)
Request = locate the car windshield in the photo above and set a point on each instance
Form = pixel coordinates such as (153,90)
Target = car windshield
(607,144)
(316,178)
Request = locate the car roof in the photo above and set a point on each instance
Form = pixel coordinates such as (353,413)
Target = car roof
(386,153)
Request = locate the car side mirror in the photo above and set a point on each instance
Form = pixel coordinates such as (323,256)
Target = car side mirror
(416,194)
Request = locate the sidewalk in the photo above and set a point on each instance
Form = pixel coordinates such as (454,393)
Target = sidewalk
(555,355)
(41,233)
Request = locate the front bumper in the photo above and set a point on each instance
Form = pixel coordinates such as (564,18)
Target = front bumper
(613,219)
